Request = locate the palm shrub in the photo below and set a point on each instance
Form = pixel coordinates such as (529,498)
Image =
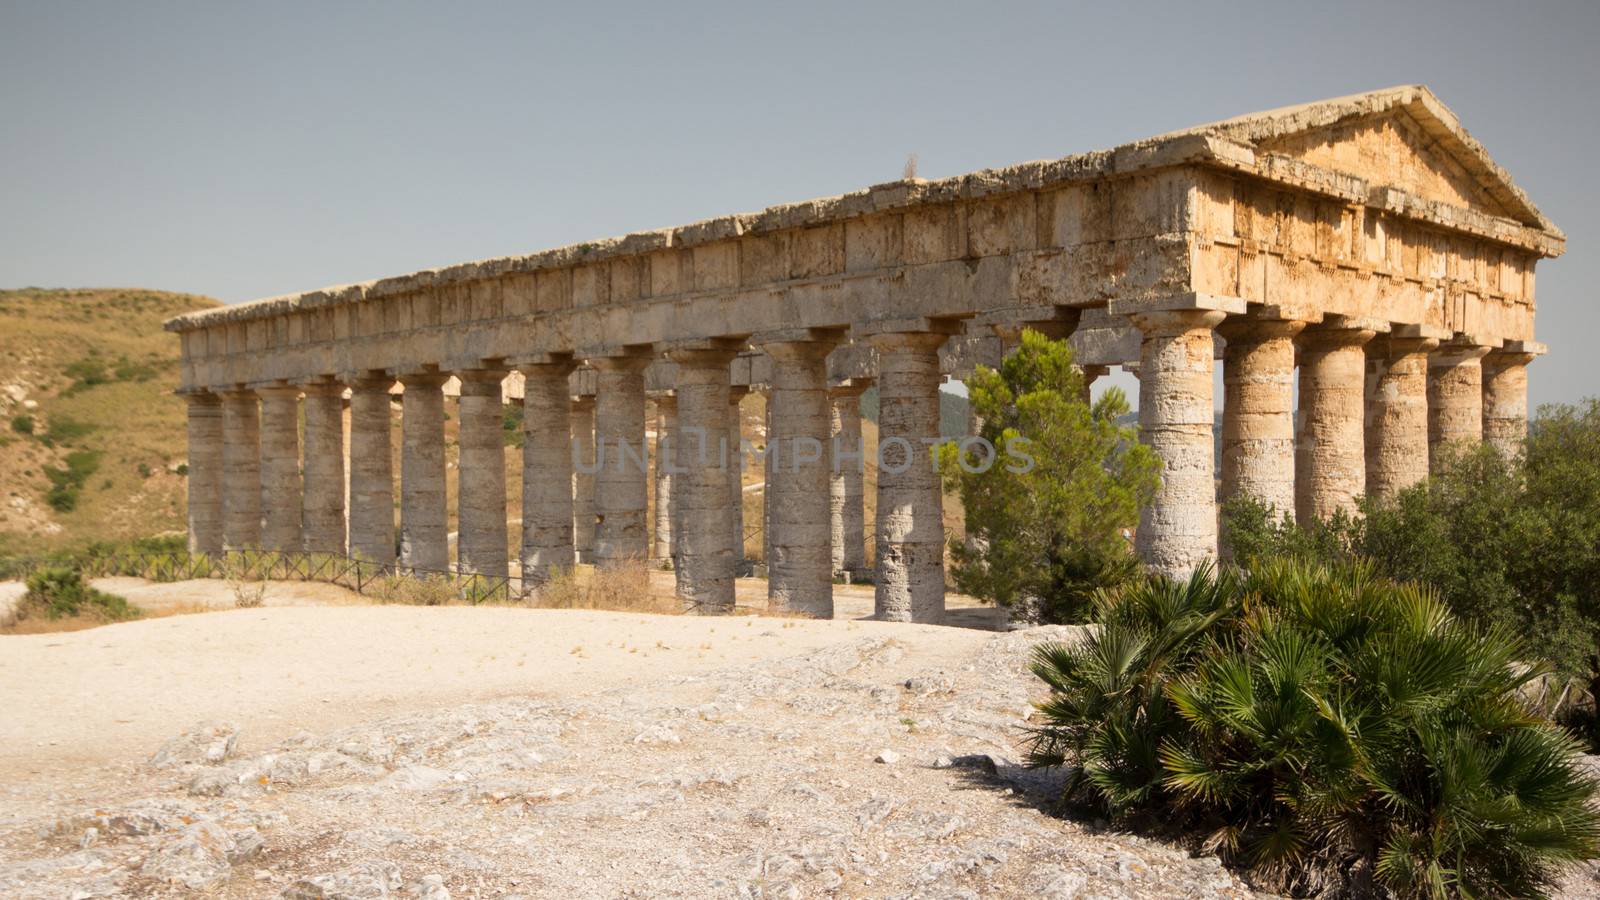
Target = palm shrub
(1323,728)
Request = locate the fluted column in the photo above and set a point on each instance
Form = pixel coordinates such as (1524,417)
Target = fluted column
(371,471)
(766,478)
(736,393)
(1505,398)
(909,531)
(1331,461)
(1258,411)
(620,493)
(205,472)
(547,475)
(482,540)
(424,513)
(661,547)
(1397,414)
(800,574)
(583,472)
(1455,399)
(322,503)
(1178,529)
(280,467)
(846,496)
(704,491)
(241,471)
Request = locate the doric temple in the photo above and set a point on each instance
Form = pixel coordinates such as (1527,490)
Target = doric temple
(1367,245)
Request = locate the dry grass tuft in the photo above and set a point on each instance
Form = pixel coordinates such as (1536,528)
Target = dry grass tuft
(623,589)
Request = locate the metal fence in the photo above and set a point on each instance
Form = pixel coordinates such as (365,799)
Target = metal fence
(392,581)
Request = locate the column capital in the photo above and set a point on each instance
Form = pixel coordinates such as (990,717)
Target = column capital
(1514,353)
(1393,346)
(481,382)
(1176,321)
(1333,335)
(1455,353)
(1253,329)
(201,399)
(420,380)
(583,402)
(550,363)
(700,355)
(798,350)
(625,359)
(278,391)
(853,387)
(926,341)
(663,399)
(321,386)
(376,380)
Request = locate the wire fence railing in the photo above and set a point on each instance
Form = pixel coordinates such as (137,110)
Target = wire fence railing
(365,577)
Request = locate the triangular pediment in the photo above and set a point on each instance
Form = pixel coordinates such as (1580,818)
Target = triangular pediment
(1402,138)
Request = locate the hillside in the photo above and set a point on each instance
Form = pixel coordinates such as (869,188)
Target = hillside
(91,435)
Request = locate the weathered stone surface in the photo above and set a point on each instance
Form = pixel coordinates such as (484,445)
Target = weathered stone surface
(846,487)
(322,503)
(1505,398)
(206,475)
(241,470)
(372,534)
(1331,451)
(1397,414)
(665,461)
(482,542)
(1258,411)
(548,510)
(620,493)
(583,472)
(1178,530)
(1455,399)
(800,569)
(909,535)
(280,468)
(704,491)
(424,516)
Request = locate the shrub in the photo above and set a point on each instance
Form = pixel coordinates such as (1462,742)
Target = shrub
(22,424)
(624,588)
(1514,542)
(1326,729)
(61,592)
(67,483)
(1042,539)
(247,594)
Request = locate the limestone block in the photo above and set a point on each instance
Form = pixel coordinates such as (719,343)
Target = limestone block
(372,533)
(280,468)
(424,516)
(322,503)
(241,471)
(205,480)
(548,544)
(1331,450)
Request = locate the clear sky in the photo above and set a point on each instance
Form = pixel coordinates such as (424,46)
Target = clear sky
(246,150)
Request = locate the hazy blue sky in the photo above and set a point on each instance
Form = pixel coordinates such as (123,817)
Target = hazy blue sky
(246,150)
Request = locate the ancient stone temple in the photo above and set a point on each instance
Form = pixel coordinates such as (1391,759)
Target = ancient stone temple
(1366,246)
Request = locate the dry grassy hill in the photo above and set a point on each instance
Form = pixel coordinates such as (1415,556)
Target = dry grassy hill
(91,435)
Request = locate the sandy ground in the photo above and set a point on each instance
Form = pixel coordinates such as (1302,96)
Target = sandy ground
(318,656)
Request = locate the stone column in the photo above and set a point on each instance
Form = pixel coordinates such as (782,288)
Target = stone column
(766,479)
(205,477)
(909,532)
(241,471)
(583,472)
(1091,374)
(1505,397)
(1258,411)
(322,503)
(280,467)
(704,492)
(846,496)
(661,548)
(481,542)
(1331,462)
(547,477)
(1455,399)
(800,573)
(620,495)
(424,514)
(1397,414)
(736,471)
(371,471)
(1178,530)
